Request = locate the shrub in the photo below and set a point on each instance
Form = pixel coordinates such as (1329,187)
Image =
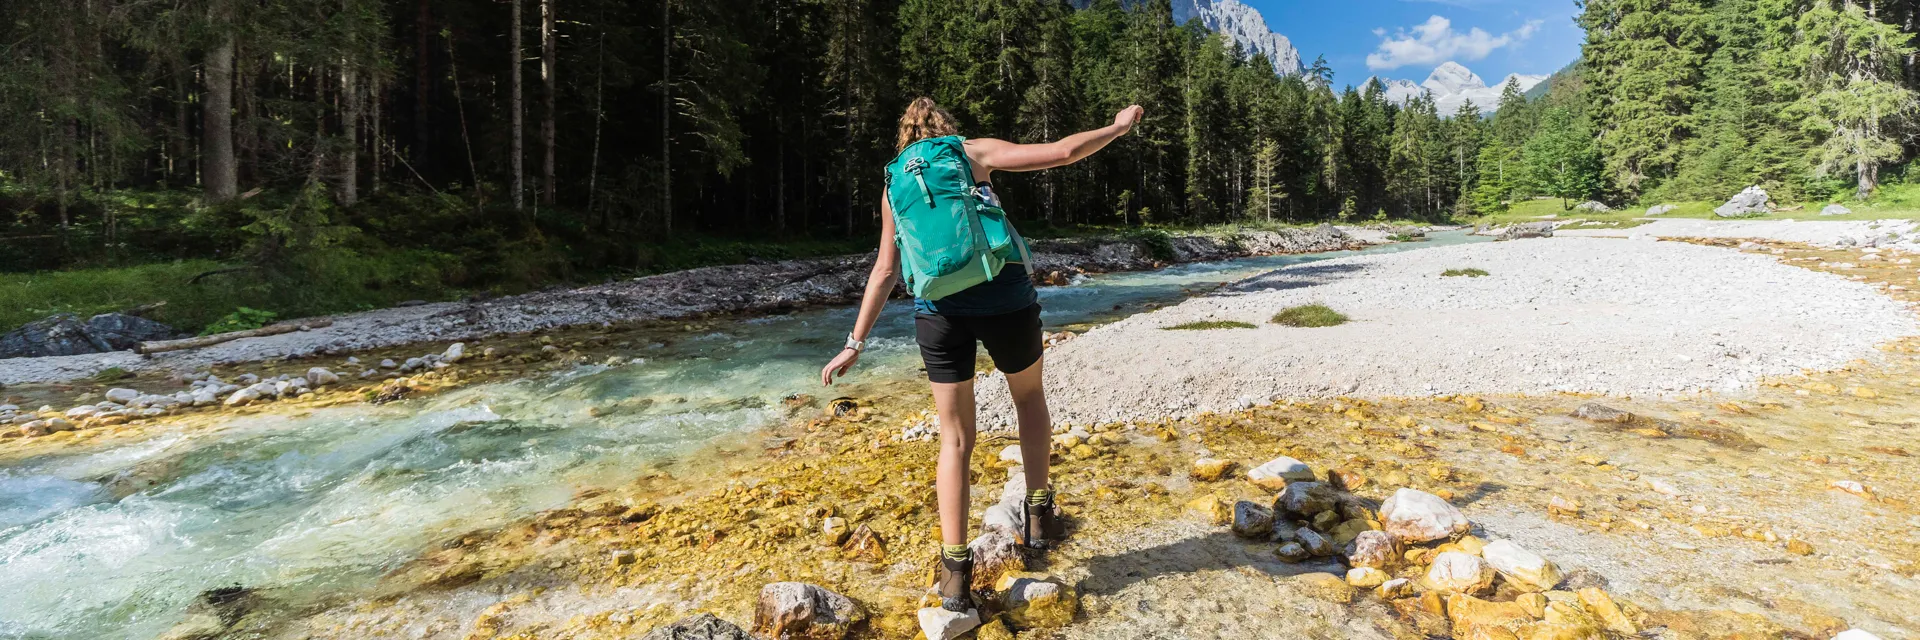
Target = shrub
(241,320)
(1471,272)
(1210,324)
(1310,316)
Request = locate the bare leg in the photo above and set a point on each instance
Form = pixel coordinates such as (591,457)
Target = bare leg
(953,478)
(1036,424)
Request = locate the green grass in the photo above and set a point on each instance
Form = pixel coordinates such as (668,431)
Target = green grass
(1471,272)
(1310,316)
(1892,202)
(1209,325)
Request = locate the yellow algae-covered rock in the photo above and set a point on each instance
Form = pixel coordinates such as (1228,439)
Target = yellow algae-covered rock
(1468,612)
(995,554)
(1210,469)
(1210,509)
(1346,532)
(1551,631)
(1038,601)
(1321,586)
(705,625)
(1522,568)
(995,629)
(1534,603)
(1601,605)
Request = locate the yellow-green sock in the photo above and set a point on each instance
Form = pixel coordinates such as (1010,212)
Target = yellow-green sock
(956,552)
(1038,497)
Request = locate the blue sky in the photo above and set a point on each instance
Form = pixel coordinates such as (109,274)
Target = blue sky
(1402,39)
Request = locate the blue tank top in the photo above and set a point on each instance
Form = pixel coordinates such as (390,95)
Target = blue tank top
(1008,292)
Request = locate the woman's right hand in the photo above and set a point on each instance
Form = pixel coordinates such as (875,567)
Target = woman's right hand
(841,363)
(1128,117)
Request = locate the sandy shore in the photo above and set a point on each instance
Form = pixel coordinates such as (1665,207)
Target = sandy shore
(1618,317)
(1904,234)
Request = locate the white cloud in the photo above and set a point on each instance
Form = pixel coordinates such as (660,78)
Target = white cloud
(1436,41)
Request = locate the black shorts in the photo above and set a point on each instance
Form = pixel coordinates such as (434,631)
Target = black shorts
(947,342)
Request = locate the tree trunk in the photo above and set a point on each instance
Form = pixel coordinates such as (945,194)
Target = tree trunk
(1866,170)
(517,133)
(666,117)
(599,118)
(347,192)
(220,173)
(548,55)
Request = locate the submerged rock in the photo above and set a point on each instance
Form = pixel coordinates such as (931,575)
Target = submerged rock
(1417,516)
(1596,412)
(1276,473)
(801,611)
(700,627)
(1038,601)
(1210,469)
(1305,499)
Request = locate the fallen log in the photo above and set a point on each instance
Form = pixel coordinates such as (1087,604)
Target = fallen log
(163,346)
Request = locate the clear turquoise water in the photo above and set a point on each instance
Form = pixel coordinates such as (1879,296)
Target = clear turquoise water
(118,543)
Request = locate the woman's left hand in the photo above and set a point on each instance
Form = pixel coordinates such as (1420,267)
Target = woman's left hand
(841,363)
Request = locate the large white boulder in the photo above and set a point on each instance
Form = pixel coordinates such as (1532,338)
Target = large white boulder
(1416,516)
(1752,201)
(1460,572)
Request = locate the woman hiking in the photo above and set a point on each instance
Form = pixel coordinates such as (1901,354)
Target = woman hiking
(942,228)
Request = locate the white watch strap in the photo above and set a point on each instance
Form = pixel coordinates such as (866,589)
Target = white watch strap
(856,345)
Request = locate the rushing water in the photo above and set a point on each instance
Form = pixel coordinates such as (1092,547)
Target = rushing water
(118,543)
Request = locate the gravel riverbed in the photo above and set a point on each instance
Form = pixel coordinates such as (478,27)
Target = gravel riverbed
(1620,317)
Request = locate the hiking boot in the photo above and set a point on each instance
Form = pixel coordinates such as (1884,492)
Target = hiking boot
(955,583)
(1045,526)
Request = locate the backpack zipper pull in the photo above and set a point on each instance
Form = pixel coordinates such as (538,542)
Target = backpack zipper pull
(918,167)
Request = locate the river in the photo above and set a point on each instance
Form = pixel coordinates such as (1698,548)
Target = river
(315,505)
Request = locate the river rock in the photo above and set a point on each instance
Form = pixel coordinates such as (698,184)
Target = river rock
(1276,473)
(455,353)
(82,412)
(1596,412)
(1522,568)
(123,396)
(996,553)
(1251,520)
(1395,589)
(941,624)
(1366,577)
(1661,209)
(1004,517)
(1210,469)
(1011,455)
(243,397)
(1037,601)
(701,627)
(1417,516)
(1305,499)
(1592,206)
(1834,210)
(1315,544)
(1374,549)
(1602,606)
(205,397)
(321,377)
(801,611)
(1292,552)
(1855,634)
(57,335)
(1526,230)
(1468,612)
(1752,201)
(1460,572)
(122,332)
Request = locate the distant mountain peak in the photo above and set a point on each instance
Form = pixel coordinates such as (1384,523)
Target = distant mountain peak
(1453,84)
(1236,20)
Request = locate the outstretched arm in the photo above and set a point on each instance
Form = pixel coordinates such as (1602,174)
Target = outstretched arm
(880,283)
(1000,155)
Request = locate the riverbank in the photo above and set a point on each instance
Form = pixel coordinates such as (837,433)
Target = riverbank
(1559,315)
(738,289)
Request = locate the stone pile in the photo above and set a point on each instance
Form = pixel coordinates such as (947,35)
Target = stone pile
(1417,552)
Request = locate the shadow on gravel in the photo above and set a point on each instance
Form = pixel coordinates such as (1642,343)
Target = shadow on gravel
(1218,551)
(1295,277)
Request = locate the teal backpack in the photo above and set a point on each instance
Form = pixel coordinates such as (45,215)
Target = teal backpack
(950,236)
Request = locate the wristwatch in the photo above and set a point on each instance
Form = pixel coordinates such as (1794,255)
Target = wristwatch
(856,345)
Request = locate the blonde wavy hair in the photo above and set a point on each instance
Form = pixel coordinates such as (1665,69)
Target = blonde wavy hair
(924,119)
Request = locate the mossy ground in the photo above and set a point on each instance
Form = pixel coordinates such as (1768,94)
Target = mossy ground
(1471,272)
(1209,325)
(1310,316)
